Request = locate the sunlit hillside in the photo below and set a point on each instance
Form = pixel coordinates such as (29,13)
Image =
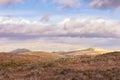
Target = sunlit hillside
(46,55)
(89,51)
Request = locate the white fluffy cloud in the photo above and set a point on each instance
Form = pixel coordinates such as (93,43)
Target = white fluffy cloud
(97,27)
(85,32)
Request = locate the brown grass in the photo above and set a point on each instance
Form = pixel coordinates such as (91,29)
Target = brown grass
(31,67)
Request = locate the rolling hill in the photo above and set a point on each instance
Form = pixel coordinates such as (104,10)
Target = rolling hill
(45,55)
(89,51)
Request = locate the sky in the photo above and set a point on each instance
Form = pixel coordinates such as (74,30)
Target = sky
(59,25)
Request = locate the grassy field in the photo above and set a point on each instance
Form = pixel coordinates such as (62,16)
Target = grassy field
(45,66)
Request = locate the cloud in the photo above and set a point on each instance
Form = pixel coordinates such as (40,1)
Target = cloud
(67,4)
(8,2)
(14,13)
(63,4)
(85,28)
(46,17)
(104,4)
(36,45)
(73,4)
(85,32)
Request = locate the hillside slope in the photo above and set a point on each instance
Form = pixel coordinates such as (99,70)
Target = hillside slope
(46,55)
(89,51)
(31,67)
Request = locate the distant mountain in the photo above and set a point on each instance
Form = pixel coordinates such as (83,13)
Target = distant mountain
(20,51)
